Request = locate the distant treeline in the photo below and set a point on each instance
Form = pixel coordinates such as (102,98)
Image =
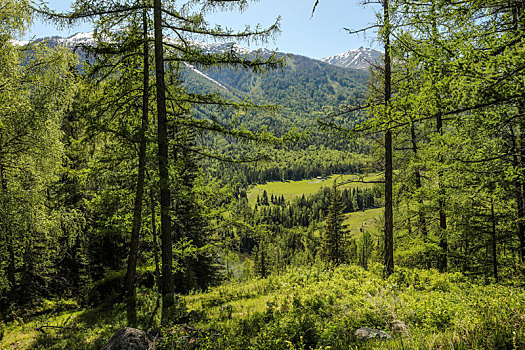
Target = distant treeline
(293,165)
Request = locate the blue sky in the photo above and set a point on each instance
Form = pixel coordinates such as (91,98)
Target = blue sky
(317,37)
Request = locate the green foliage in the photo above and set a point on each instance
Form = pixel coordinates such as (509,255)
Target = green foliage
(15,15)
(334,238)
(34,98)
(314,309)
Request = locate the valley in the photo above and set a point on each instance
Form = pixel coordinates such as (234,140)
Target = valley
(167,182)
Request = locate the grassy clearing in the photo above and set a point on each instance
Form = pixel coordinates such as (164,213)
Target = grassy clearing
(22,334)
(72,329)
(366,220)
(292,189)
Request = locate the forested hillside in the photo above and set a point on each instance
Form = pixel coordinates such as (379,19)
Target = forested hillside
(161,184)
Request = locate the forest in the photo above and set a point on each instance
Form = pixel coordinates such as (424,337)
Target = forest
(162,187)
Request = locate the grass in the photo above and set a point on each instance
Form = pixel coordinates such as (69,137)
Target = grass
(365,220)
(320,308)
(315,307)
(293,189)
(21,334)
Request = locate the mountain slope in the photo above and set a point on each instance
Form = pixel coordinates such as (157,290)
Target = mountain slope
(303,88)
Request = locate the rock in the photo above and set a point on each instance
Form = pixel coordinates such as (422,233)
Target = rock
(129,339)
(365,333)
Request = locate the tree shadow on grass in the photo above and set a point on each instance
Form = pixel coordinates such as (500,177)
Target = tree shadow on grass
(91,329)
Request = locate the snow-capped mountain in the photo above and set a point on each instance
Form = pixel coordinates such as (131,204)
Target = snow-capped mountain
(302,87)
(360,58)
(355,59)
(72,41)
(222,47)
(79,39)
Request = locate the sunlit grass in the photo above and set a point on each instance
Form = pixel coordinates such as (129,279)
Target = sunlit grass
(293,189)
(360,221)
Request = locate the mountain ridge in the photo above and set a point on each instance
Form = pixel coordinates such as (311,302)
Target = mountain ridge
(303,88)
(359,59)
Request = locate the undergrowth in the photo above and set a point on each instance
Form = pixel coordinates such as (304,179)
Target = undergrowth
(316,308)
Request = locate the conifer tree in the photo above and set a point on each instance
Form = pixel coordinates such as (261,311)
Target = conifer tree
(389,171)
(171,102)
(334,238)
(382,122)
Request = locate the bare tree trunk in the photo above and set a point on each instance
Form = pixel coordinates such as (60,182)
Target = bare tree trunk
(417,176)
(164,186)
(155,244)
(494,247)
(139,194)
(421,214)
(521,189)
(443,240)
(519,198)
(389,214)
(518,143)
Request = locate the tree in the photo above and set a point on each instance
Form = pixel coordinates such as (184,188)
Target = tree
(381,122)
(172,103)
(34,97)
(334,238)
(139,193)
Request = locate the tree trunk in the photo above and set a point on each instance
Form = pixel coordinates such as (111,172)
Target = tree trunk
(521,221)
(155,244)
(164,186)
(494,247)
(389,215)
(139,194)
(519,197)
(521,190)
(417,176)
(443,241)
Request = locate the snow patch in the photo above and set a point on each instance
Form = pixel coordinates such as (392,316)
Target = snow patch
(192,68)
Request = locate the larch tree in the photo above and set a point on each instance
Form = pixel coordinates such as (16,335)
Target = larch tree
(379,107)
(175,28)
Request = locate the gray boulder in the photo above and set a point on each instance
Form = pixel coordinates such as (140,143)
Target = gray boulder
(365,333)
(129,339)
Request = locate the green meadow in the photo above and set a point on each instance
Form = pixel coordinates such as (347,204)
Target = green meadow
(362,220)
(292,189)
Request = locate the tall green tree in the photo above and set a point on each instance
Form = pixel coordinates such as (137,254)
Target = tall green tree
(171,103)
(334,237)
(380,110)
(36,90)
